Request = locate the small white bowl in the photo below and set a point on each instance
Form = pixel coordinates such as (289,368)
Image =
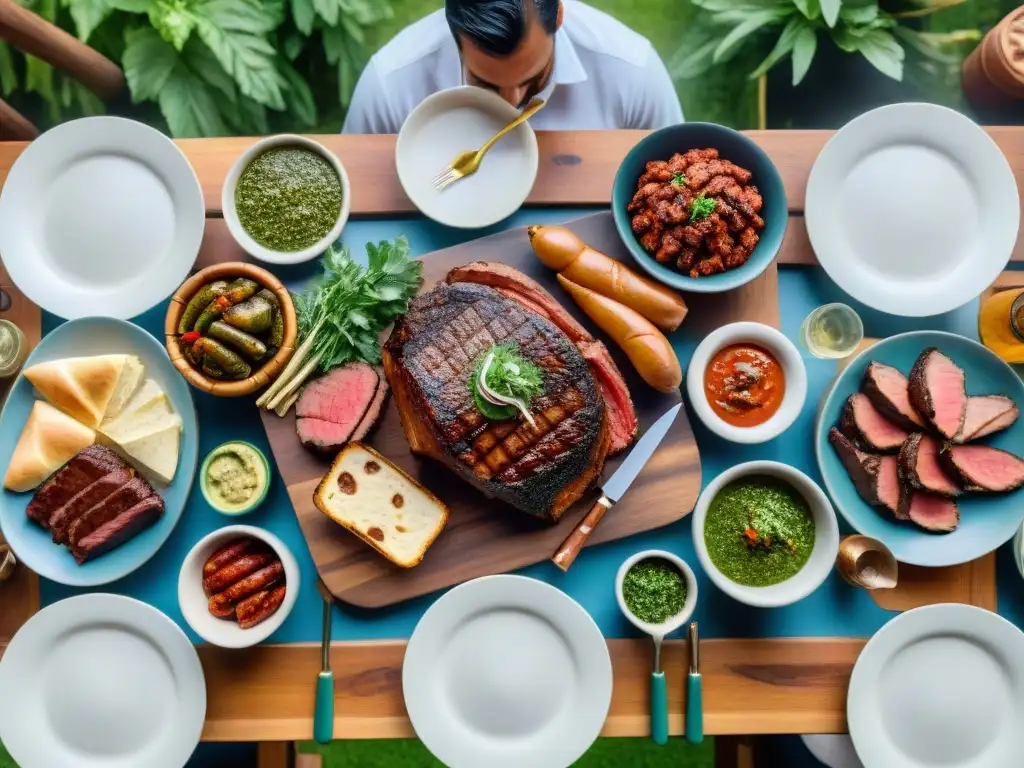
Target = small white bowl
(227,200)
(194,601)
(826,537)
(453,121)
(658,631)
(792,369)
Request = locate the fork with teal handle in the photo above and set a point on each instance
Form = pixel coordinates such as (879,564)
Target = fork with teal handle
(323,714)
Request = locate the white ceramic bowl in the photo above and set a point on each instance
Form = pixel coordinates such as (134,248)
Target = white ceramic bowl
(194,602)
(227,201)
(826,539)
(792,369)
(453,121)
(658,630)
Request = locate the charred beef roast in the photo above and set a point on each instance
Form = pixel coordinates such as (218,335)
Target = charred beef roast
(938,391)
(920,467)
(987,414)
(95,502)
(866,426)
(875,477)
(429,360)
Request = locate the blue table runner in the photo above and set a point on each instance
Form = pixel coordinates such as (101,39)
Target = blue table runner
(835,609)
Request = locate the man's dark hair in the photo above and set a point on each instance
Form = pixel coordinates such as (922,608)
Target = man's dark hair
(499,26)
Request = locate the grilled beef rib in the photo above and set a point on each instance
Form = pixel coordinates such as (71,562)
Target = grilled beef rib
(429,359)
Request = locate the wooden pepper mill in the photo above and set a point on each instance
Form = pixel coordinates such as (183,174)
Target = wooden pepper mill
(993,75)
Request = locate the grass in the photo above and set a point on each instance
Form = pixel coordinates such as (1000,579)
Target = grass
(606,753)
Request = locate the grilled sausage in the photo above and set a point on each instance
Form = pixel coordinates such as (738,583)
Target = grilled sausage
(645,346)
(259,607)
(221,607)
(560,249)
(226,554)
(237,570)
(254,582)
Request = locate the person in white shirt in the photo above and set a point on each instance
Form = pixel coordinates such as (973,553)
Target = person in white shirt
(593,71)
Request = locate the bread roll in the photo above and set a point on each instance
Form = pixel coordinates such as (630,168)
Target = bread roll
(84,387)
(48,441)
(380,504)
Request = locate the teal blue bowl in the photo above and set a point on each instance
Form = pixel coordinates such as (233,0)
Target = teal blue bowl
(986,520)
(731,145)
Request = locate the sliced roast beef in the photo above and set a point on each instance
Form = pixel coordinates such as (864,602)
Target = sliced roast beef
(929,511)
(64,517)
(120,529)
(938,392)
(987,414)
(887,389)
(124,498)
(983,468)
(331,407)
(84,468)
(373,412)
(510,282)
(865,425)
(874,476)
(920,468)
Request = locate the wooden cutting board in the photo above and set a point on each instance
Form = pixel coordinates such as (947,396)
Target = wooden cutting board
(484,536)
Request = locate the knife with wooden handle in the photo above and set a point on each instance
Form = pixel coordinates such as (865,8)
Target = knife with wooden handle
(615,488)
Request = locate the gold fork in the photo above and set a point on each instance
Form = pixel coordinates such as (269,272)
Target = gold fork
(466,163)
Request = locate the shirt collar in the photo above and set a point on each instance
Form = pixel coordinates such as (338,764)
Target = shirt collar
(568,67)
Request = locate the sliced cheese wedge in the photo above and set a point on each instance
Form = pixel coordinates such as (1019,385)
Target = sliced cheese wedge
(155,453)
(142,415)
(127,384)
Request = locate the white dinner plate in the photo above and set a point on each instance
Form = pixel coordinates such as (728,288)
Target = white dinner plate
(100,216)
(453,121)
(507,672)
(912,209)
(101,681)
(938,686)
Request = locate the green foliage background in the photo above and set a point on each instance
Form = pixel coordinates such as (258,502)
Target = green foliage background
(252,67)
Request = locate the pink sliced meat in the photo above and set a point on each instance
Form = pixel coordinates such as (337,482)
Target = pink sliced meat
(887,389)
(983,468)
(865,425)
(874,476)
(933,513)
(920,468)
(373,412)
(332,406)
(987,414)
(938,392)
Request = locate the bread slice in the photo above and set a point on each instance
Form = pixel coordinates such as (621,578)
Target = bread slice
(381,504)
(84,387)
(48,441)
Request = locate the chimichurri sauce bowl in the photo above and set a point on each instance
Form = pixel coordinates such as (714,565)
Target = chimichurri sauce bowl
(765,533)
(286,199)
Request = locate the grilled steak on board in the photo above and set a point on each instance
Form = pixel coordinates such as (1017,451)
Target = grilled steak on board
(429,359)
(340,406)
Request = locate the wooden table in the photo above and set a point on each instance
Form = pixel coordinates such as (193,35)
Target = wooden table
(750,686)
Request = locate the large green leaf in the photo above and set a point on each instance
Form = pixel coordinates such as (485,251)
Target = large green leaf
(830,11)
(189,106)
(811,9)
(693,56)
(729,44)
(369,12)
(327,10)
(39,79)
(804,46)
(293,45)
(782,46)
(303,14)
(859,14)
(174,20)
(884,52)
(132,6)
(87,15)
(298,96)
(148,62)
(924,46)
(8,74)
(234,30)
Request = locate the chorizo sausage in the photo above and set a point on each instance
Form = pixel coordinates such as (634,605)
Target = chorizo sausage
(230,551)
(560,249)
(645,346)
(237,570)
(259,607)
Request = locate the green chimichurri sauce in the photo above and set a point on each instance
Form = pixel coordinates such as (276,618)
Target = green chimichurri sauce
(759,531)
(288,198)
(654,590)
